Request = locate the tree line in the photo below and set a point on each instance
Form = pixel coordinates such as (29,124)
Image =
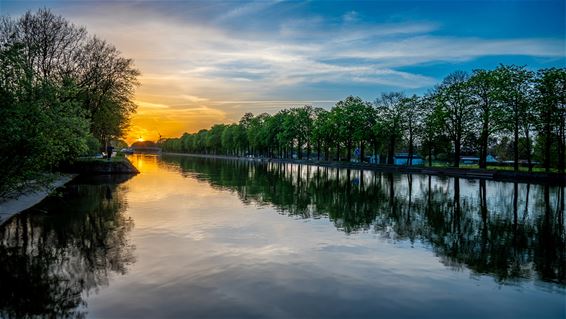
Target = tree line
(510,111)
(63,93)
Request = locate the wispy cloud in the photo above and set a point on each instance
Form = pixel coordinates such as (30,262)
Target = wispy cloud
(246,9)
(256,55)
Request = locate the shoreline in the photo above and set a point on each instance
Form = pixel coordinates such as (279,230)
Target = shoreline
(470,173)
(89,167)
(30,198)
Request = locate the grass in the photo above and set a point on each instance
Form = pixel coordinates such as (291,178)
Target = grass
(494,167)
(105,160)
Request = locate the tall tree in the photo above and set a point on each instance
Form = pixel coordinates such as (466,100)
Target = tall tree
(514,92)
(52,74)
(550,86)
(352,116)
(317,132)
(390,118)
(431,126)
(484,90)
(57,50)
(411,113)
(40,124)
(457,109)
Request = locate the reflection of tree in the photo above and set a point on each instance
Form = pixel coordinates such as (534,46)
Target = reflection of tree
(503,236)
(48,261)
(550,255)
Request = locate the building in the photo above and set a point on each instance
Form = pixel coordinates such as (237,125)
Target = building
(403,159)
(476,160)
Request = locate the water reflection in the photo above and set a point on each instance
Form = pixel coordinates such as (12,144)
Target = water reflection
(513,232)
(61,250)
(344,244)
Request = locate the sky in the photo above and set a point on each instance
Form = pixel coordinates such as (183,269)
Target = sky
(207,62)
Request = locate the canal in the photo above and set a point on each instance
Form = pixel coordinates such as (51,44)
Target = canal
(193,237)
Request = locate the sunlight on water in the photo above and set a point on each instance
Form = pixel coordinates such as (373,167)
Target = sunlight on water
(193,237)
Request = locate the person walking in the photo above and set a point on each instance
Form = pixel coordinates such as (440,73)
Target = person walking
(109,150)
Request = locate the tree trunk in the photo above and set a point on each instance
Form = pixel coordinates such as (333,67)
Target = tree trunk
(362,151)
(516,145)
(391,151)
(457,152)
(547,141)
(375,152)
(529,151)
(349,150)
(410,160)
(483,144)
(561,146)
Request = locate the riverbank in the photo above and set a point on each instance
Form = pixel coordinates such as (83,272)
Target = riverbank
(117,168)
(99,166)
(471,173)
(10,207)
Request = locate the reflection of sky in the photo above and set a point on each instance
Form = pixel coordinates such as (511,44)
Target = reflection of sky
(202,252)
(211,61)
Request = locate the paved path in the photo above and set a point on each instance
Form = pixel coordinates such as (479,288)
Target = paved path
(13,206)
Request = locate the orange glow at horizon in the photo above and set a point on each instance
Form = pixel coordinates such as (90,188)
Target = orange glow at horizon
(150,123)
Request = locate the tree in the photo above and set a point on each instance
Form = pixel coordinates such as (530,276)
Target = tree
(214,138)
(298,126)
(324,131)
(390,120)
(40,124)
(514,92)
(228,139)
(245,123)
(456,109)
(550,102)
(484,90)
(411,113)
(57,51)
(254,133)
(317,132)
(432,124)
(353,119)
(107,87)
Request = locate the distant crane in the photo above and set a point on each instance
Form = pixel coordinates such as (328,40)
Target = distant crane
(159,140)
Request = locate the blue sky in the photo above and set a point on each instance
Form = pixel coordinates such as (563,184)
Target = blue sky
(211,61)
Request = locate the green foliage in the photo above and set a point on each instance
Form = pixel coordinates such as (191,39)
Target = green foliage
(93,145)
(390,124)
(550,102)
(40,125)
(509,112)
(59,91)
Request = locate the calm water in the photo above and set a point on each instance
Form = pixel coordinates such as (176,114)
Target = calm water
(219,238)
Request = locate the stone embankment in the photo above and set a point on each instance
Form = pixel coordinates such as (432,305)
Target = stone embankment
(102,167)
